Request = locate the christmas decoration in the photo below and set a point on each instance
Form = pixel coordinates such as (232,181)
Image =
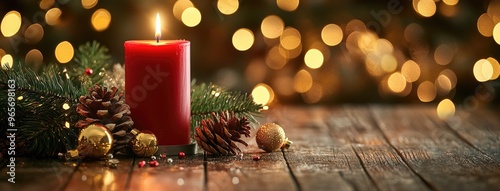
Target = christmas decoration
(144,143)
(105,106)
(163,156)
(141,163)
(90,55)
(88,71)
(170,160)
(154,163)
(270,137)
(217,135)
(256,158)
(181,155)
(94,141)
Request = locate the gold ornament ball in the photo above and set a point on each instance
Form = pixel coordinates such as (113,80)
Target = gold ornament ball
(144,143)
(270,137)
(94,141)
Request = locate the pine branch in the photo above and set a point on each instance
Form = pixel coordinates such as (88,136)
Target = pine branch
(44,125)
(93,56)
(209,98)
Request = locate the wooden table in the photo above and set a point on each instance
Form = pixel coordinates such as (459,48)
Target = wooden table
(335,148)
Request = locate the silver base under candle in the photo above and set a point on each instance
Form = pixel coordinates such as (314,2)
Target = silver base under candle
(189,149)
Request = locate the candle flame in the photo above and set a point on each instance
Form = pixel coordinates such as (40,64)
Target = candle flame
(158,28)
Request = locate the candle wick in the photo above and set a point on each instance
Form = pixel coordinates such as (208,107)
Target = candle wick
(157,39)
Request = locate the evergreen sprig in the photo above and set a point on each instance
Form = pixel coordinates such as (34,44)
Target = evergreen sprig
(44,126)
(90,55)
(210,98)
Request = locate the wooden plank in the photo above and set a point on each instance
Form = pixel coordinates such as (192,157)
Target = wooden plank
(94,175)
(435,153)
(232,173)
(38,174)
(480,128)
(319,161)
(355,126)
(185,174)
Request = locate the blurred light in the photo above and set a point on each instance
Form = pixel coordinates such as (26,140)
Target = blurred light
(67,124)
(180,6)
(314,94)
(20,98)
(494,8)
(228,7)
(396,82)
(485,25)
(64,52)
(413,32)
(11,23)
(52,16)
(288,5)
(443,84)
(243,39)
(313,58)
(483,70)
(389,63)
(496,68)
(275,58)
(426,8)
(383,46)
(272,26)
(373,65)
(101,19)
(2,53)
(303,81)
(89,4)
(426,91)
(34,33)
(283,85)
(445,109)
(256,71)
(7,61)
(450,2)
(367,42)
(448,10)
(34,57)
(46,4)
(496,33)
(354,25)
(411,71)
(451,76)
(191,17)
(332,34)
(290,39)
(443,54)
(65,106)
(262,94)
(294,53)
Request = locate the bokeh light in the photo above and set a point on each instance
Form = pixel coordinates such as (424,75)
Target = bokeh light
(101,19)
(34,57)
(303,81)
(243,39)
(228,7)
(388,63)
(485,25)
(314,58)
(180,6)
(332,34)
(426,8)
(64,52)
(34,33)
(262,94)
(450,2)
(314,94)
(11,23)
(288,5)
(52,16)
(89,4)
(7,61)
(46,4)
(445,109)
(275,58)
(483,70)
(443,54)
(411,71)
(272,26)
(191,17)
(496,68)
(426,91)
(396,82)
(290,39)
(496,33)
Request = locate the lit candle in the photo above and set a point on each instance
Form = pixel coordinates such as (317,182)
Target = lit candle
(157,87)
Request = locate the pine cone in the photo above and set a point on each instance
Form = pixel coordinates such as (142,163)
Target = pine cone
(217,135)
(105,106)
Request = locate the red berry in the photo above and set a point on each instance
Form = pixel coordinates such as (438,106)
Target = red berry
(163,156)
(153,163)
(142,163)
(88,71)
(256,158)
(181,155)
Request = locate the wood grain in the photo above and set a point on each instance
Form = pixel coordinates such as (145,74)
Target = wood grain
(94,175)
(319,162)
(435,153)
(185,174)
(38,174)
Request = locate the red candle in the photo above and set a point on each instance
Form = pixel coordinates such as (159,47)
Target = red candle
(157,87)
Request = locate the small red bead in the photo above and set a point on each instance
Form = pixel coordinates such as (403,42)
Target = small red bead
(142,163)
(256,158)
(163,156)
(88,71)
(153,163)
(182,155)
